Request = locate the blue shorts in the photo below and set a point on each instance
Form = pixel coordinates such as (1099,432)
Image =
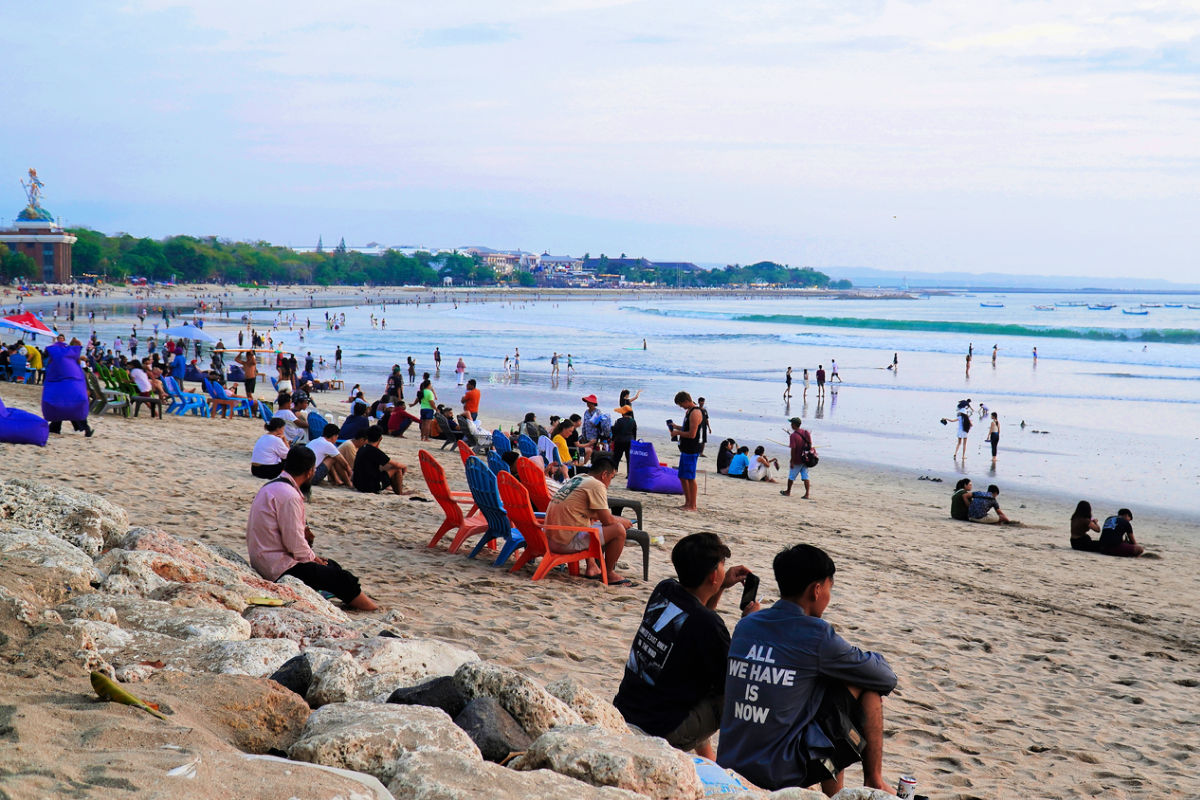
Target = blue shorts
(426,413)
(800,470)
(687,466)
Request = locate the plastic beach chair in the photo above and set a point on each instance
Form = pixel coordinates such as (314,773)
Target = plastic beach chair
(521,514)
(221,400)
(496,463)
(500,442)
(465,451)
(483,488)
(464,525)
(316,425)
(527,446)
(534,481)
(185,402)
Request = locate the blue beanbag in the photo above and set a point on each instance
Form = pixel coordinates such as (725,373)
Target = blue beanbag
(64,394)
(645,474)
(22,427)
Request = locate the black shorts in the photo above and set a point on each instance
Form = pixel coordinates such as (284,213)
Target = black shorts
(266,471)
(1085,543)
(250,383)
(328,577)
(841,719)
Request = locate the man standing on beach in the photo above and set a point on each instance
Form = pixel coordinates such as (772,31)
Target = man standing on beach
(688,437)
(820,380)
(705,428)
(279,540)
(337,358)
(802,703)
(554,365)
(787,392)
(800,443)
(470,401)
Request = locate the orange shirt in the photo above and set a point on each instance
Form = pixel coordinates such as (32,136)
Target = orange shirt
(471,401)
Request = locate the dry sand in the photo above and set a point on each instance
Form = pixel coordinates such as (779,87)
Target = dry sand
(1026,669)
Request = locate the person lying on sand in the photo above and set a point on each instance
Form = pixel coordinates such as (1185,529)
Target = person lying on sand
(674,681)
(802,703)
(279,540)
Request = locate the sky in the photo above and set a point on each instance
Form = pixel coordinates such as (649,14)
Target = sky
(1025,138)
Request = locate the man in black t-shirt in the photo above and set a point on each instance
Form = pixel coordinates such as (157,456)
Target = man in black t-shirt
(624,431)
(675,676)
(1116,536)
(373,470)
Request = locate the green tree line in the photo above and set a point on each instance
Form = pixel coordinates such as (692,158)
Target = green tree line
(16,265)
(731,275)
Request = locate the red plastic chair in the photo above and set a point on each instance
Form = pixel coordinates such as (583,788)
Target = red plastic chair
(435,478)
(465,451)
(534,481)
(521,515)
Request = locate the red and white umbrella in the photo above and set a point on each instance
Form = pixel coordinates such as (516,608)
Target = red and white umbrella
(26,323)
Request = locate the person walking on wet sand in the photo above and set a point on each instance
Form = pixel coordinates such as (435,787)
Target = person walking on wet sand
(994,436)
(802,455)
(833,372)
(787,378)
(820,380)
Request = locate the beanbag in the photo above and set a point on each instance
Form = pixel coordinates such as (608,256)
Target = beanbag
(645,473)
(64,394)
(22,427)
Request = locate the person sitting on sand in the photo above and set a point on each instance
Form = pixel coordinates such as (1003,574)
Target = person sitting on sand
(1082,521)
(1116,536)
(293,422)
(740,463)
(983,502)
(329,460)
(399,420)
(349,448)
(373,470)
(583,502)
(266,461)
(356,423)
(675,675)
(802,703)
(960,500)
(761,466)
(279,540)
(725,455)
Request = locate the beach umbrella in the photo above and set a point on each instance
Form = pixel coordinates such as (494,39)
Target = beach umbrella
(186,331)
(26,323)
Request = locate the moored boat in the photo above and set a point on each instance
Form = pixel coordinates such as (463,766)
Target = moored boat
(1134,311)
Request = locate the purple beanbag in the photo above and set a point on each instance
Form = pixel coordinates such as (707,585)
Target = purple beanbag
(645,474)
(64,395)
(22,427)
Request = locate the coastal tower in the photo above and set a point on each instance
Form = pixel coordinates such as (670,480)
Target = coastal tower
(37,235)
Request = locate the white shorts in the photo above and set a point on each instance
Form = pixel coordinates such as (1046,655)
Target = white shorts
(579,542)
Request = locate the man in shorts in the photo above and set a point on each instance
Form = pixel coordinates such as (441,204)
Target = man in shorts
(674,682)
(280,542)
(329,461)
(820,380)
(582,502)
(800,444)
(802,703)
(373,470)
(688,437)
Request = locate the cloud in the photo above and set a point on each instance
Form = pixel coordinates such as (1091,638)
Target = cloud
(478,33)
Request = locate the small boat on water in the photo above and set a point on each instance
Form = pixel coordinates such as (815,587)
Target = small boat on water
(1151,305)
(1172,305)
(1136,312)
(1100,307)
(991,305)
(1071,304)
(1043,308)
(1193,307)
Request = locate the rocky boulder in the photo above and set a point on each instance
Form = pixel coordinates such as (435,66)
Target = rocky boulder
(371,737)
(378,665)
(492,729)
(441,692)
(155,616)
(439,775)
(643,764)
(536,709)
(302,627)
(856,793)
(588,706)
(85,520)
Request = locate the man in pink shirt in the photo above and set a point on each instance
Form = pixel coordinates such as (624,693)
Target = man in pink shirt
(279,540)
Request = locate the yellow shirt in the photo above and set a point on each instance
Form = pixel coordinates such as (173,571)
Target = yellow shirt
(33,357)
(564,452)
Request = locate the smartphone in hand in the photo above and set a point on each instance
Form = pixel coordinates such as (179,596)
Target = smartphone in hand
(749,591)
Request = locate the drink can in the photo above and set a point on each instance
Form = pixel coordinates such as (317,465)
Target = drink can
(906,788)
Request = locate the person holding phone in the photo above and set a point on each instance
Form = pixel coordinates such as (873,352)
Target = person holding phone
(674,679)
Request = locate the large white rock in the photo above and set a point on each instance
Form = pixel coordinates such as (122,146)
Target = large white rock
(337,680)
(862,793)
(371,737)
(87,521)
(532,706)
(643,764)
(162,618)
(258,658)
(441,775)
(62,561)
(302,627)
(378,665)
(588,706)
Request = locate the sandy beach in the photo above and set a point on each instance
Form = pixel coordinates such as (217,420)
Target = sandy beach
(1026,669)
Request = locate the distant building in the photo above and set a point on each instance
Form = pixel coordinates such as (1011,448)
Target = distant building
(549,263)
(37,235)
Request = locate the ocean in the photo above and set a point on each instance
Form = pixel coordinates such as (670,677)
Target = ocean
(1109,411)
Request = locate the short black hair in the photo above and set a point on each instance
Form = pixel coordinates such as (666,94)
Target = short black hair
(274,424)
(470,383)
(994,489)
(696,555)
(682,397)
(510,457)
(799,567)
(575,418)
(1125,512)
(330,430)
(374,434)
(299,460)
(603,462)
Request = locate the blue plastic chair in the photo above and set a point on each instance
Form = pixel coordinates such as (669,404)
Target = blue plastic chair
(17,367)
(527,446)
(500,442)
(316,425)
(485,491)
(265,412)
(182,402)
(236,405)
(496,463)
